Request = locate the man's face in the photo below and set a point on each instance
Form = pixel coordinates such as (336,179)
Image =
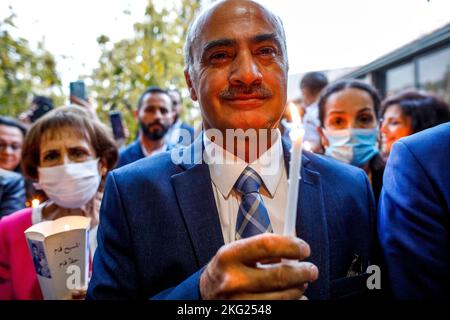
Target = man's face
(239,71)
(155,115)
(308,97)
(11,140)
(176,102)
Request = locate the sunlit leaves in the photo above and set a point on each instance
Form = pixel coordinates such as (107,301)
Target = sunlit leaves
(153,57)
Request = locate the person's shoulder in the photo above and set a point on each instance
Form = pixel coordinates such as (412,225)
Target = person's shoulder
(7,176)
(184,125)
(345,188)
(338,179)
(327,166)
(18,220)
(157,164)
(129,148)
(130,153)
(429,139)
(431,146)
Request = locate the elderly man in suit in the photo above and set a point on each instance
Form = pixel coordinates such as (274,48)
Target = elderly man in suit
(414,215)
(201,228)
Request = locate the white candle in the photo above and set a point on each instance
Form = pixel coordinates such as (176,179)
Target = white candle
(296,135)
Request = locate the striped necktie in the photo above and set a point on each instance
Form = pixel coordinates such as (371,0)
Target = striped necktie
(252,218)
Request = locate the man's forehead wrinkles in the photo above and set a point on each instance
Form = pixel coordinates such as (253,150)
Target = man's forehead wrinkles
(266,37)
(228,42)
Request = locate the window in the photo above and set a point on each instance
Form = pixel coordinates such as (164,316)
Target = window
(399,78)
(434,73)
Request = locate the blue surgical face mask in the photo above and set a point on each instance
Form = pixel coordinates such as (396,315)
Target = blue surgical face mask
(353,146)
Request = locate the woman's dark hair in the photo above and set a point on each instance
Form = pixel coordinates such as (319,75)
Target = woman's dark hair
(11,122)
(424,109)
(62,119)
(347,84)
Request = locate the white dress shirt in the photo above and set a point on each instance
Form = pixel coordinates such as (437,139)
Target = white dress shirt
(156,151)
(224,175)
(311,122)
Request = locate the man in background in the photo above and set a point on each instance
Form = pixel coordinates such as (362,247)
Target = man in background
(311,85)
(174,136)
(12,192)
(155,116)
(40,105)
(12,134)
(12,187)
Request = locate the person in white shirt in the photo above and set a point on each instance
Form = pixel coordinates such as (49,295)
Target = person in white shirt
(175,135)
(311,85)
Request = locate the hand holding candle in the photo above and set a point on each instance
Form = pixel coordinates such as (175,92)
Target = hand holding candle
(296,134)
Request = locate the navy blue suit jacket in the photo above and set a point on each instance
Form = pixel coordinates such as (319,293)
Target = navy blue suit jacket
(160,226)
(131,153)
(414,215)
(12,192)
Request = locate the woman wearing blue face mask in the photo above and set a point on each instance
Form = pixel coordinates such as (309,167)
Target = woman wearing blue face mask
(349,127)
(69,155)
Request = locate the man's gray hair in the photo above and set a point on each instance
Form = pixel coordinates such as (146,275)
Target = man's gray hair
(190,37)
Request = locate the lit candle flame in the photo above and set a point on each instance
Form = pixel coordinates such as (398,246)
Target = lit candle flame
(296,119)
(295,164)
(35,203)
(296,132)
(307,146)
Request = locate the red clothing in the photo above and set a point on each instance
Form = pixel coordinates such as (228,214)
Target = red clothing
(18,280)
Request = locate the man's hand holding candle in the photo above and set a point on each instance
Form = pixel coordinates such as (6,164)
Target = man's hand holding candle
(233,272)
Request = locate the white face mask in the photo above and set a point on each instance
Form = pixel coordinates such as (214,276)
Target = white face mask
(70,185)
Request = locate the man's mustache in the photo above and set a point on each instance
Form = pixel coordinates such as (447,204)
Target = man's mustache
(258,91)
(154,124)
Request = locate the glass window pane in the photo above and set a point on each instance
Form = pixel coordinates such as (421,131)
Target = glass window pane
(399,78)
(434,73)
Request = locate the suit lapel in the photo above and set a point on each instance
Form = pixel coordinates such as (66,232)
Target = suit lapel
(135,152)
(198,206)
(196,199)
(312,225)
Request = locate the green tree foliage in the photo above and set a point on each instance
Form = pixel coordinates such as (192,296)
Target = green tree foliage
(153,57)
(24,72)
